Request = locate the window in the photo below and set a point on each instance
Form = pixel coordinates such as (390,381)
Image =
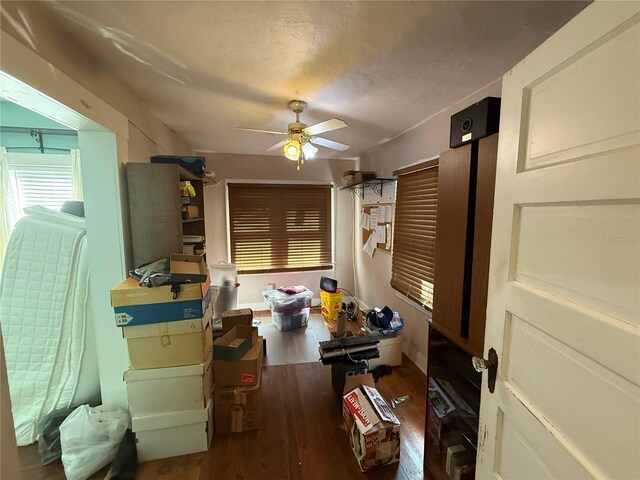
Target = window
(413,262)
(276,228)
(38,179)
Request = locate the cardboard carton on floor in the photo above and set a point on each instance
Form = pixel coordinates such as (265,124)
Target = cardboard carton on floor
(170,434)
(234,344)
(373,429)
(170,344)
(237,409)
(168,389)
(240,373)
(139,305)
(231,318)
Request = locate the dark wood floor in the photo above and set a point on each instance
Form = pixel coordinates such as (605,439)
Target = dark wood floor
(300,436)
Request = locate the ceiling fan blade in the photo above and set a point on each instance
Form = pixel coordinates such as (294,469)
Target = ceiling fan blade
(330,144)
(277,145)
(326,126)
(270,132)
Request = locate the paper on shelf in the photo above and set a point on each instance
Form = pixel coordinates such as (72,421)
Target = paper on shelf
(379,234)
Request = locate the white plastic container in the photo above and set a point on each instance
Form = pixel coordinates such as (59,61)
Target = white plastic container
(390,352)
(171,434)
(224,276)
(291,319)
(158,390)
(282,302)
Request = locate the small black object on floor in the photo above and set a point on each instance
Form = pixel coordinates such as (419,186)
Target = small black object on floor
(381,371)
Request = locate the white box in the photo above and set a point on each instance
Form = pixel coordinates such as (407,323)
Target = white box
(390,352)
(175,433)
(169,389)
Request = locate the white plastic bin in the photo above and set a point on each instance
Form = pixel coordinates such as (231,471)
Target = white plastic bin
(291,319)
(280,302)
(224,276)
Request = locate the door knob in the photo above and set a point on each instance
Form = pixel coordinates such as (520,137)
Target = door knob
(490,365)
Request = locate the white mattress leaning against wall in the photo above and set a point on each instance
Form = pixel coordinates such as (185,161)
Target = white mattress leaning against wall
(46,318)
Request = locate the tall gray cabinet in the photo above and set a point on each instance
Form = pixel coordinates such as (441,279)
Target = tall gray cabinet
(154,210)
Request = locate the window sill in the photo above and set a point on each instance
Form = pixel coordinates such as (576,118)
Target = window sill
(425,310)
(285,272)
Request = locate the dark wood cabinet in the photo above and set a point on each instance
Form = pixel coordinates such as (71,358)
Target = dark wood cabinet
(466,181)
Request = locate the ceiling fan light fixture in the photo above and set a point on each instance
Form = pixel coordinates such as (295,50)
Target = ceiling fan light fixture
(309,150)
(292,150)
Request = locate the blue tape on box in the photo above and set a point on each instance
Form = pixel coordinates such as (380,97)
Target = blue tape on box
(131,315)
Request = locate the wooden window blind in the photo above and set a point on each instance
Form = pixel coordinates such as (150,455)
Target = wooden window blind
(414,233)
(276,228)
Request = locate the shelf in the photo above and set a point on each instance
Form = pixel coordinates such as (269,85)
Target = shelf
(187,175)
(191,220)
(375,185)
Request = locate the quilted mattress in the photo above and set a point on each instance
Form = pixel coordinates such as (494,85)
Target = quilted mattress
(46,321)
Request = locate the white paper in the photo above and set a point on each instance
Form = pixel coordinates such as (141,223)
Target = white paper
(374,218)
(388,243)
(369,247)
(380,234)
(365,220)
(385,214)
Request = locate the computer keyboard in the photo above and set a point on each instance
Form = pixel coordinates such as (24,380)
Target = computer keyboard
(345,342)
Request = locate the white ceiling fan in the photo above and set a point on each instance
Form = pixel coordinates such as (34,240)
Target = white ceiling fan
(301,141)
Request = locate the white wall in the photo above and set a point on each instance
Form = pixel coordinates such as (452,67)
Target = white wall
(34,52)
(373,275)
(279,169)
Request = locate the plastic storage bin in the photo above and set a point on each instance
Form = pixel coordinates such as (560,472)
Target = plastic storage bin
(281,302)
(291,319)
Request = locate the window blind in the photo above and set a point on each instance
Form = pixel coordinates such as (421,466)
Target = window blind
(49,188)
(280,227)
(414,233)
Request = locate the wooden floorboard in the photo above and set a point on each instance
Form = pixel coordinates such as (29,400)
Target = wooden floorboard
(300,435)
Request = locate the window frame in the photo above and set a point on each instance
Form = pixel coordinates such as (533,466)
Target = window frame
(332,210)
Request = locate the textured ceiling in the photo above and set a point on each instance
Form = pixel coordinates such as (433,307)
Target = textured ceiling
(206,67)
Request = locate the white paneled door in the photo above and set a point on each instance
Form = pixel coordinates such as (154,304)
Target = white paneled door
(564,294)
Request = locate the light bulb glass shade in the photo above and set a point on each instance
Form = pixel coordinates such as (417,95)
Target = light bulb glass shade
(292,149)
(309,150)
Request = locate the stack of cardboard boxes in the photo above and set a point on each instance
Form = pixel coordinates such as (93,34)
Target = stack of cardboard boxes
(237,365)
(170,381)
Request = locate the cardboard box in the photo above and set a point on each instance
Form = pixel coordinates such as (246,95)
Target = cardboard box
(193,211)
(244,372)
(237,409)
(231,318)
(136,305)
(129,292)
(361,176)
(175,433)
(168,389)
(234,344)
(170,344)
(373,429)
(187,268)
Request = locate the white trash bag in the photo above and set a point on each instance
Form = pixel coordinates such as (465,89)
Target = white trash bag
(90,438)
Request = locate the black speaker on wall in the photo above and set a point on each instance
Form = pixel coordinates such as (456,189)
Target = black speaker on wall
(474,122)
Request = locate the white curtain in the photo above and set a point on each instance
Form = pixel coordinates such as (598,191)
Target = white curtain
(76,172)
(8,204)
